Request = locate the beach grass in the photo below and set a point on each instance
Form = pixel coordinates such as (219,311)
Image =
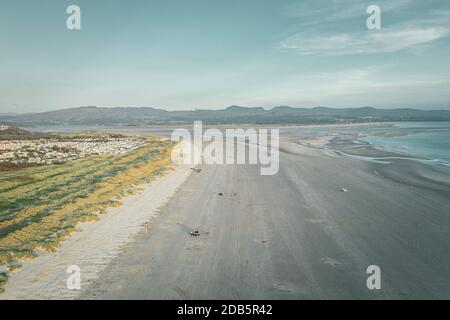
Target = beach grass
(39,206)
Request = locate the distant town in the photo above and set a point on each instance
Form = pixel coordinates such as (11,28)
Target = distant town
(62,149)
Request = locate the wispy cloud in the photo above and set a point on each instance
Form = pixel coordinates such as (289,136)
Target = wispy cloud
(368,42)
(337,27)
(321,11)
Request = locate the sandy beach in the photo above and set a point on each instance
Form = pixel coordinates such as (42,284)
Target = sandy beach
(294,235)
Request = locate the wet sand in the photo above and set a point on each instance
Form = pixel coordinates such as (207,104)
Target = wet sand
(294,235)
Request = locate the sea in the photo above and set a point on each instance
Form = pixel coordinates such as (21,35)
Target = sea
(425,139)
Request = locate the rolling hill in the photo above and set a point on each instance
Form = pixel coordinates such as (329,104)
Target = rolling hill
(230,115)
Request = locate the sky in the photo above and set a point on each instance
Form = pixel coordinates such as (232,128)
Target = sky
(198,54)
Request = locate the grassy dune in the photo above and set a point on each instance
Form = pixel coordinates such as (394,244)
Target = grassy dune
(39,206)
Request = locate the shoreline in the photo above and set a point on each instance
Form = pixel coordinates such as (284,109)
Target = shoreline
(353,147)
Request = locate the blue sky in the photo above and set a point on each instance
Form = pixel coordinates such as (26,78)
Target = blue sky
(212,54)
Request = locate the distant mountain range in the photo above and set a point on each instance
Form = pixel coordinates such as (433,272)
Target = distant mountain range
(230,115)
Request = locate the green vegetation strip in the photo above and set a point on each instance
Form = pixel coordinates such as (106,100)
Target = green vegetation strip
(39,206)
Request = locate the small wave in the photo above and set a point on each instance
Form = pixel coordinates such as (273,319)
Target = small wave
(364,158)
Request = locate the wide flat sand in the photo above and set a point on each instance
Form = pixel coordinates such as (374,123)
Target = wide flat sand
(294,235)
